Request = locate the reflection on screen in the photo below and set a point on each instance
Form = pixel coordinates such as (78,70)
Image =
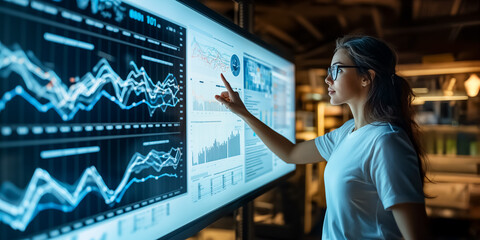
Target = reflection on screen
(109,128)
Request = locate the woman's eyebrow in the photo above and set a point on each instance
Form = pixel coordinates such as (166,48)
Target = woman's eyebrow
(336,63)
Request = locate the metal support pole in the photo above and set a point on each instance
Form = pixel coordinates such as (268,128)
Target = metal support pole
(244,229)
(244,14)
(244,215)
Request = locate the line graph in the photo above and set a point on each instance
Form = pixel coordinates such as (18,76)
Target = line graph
(45,192)
(93,107)
(210,56)
(47,86)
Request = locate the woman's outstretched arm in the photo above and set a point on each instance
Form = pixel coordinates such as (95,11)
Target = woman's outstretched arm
(301,153)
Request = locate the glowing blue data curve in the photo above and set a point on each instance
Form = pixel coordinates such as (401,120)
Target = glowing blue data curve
(45,192)
(86,91)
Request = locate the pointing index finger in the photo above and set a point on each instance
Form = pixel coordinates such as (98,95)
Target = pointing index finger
(227,85)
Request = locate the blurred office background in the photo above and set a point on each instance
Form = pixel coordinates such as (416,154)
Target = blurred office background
(438,44)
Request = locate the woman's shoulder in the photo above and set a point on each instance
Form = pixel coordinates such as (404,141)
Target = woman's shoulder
(382,132)
(385,128)
(388,135)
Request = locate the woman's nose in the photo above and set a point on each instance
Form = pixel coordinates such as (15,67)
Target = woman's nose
(328,80)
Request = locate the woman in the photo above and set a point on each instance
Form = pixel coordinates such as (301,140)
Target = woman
(374,176)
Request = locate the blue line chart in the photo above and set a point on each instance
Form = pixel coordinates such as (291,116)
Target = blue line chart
(211,56)
(45,192)
(49,92)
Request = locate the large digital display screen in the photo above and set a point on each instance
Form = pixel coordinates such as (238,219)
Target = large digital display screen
(109,125)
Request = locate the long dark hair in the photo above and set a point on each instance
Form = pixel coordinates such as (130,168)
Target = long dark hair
(390,96)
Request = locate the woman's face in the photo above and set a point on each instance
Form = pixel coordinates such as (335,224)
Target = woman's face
(347,88)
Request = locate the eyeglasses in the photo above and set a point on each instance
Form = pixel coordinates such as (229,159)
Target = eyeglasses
(333,70)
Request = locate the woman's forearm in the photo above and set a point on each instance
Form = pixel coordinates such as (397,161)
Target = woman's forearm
(305,152)
(277,143)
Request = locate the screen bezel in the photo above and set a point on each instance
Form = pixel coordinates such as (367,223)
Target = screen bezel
(217,18)
(200,223)
(197,225)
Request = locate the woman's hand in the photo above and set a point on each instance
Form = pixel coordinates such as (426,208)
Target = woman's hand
(305,152)
(231,100)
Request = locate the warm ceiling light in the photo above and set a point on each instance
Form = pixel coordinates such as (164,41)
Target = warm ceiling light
(472,85)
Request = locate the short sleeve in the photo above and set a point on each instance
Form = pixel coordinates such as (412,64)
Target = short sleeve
(328,142)
(394,170)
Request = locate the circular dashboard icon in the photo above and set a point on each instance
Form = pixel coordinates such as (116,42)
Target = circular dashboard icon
(235,65)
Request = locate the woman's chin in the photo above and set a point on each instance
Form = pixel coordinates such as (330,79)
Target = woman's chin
(334,101)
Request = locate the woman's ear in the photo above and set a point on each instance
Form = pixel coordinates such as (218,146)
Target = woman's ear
(368,78)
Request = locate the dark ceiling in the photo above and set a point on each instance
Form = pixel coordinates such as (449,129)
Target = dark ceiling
(416,28)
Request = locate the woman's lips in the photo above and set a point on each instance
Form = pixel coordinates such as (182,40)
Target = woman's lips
(331,91)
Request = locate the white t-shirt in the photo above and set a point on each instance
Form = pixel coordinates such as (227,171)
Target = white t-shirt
(368,171)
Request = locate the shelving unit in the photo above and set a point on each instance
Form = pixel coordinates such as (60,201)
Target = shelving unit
(328,118)
(453,150)
(454,177)
(455,164)
(452,129)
